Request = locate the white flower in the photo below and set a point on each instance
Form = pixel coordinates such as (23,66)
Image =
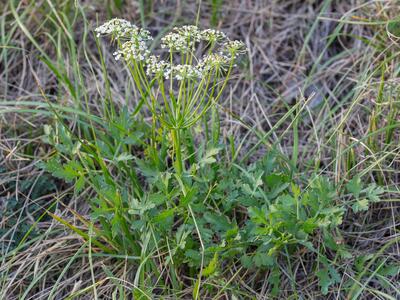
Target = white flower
(157,67)
(189,32)
(116,27)
(182,72)
(136,50)
(234,48)
(181,39)
(143,35)
(214,61)
(175,42)
(133,45)
(120,28)
(117,54)
(212,35)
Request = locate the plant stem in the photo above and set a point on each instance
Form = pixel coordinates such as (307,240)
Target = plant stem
(178,152)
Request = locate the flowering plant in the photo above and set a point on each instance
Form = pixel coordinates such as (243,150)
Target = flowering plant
(180,88)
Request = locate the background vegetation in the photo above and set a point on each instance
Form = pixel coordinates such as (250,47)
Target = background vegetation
(291,185)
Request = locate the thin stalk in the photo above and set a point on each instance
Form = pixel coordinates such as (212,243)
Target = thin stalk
(177,151)
(295,153)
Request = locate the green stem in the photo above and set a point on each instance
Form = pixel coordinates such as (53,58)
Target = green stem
(154,135)
(178,152)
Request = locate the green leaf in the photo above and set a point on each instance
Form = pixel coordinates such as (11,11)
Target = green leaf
(296,190)
(287,202)
(140,207)
(361,261)
(68,171)
(209,157)
(393,27)
(140,294)
(391,270)
(189,197)
(193,256)
(327,276)
(354,186)
(276,180)
(257,215)
(309,225)
(52,165)
(218,222)
(261,259)
(246,261)
(360,205)
(275,280)
(212,266)
(372,192)
(79,184)
(164,216)
(124,157)
(324,280)
(157,199)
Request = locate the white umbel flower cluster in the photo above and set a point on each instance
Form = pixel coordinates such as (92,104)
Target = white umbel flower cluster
(120,28)
(189,32)
(117,27)
(214,61)
(234,48)
(182,72)
(133,46)
(175,42)
(181,39)
(157,67)
(132,49)
(212,35)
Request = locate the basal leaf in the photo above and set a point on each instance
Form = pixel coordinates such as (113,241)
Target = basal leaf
(354,186)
